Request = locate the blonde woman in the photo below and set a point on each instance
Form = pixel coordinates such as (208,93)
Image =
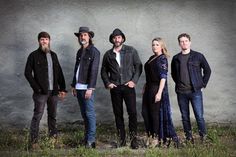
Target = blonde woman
(156,105)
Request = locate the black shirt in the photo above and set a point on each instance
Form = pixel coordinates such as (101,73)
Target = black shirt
(185,83)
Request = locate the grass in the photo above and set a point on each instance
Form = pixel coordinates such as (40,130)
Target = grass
(221,142)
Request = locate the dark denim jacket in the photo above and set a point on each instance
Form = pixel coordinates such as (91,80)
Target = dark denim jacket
(130,69)
(199,70)
(89,64)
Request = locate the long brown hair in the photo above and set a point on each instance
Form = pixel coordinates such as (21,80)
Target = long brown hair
(163,46)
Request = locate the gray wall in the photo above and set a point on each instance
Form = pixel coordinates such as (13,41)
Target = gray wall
(211,23)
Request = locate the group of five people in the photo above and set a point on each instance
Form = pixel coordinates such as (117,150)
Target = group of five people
(120,72)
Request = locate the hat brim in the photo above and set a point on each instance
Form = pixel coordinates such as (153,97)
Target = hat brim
(112,36)
(91,34)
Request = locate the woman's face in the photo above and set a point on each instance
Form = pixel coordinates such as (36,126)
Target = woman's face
(156,47)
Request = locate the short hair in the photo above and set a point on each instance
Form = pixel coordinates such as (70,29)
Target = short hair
(184,35)
(43,35)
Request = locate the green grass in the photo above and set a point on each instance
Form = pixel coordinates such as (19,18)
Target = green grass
(221,142)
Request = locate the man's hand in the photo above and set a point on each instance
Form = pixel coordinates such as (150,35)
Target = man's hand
(88,93)
(111,85)
(62,95)
(73,91)
(130,84)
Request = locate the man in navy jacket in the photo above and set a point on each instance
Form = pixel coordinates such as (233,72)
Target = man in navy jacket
(190,72)
(84,82)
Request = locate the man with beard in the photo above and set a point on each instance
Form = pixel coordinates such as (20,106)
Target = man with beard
(84,82)
(46,78)
(121,69)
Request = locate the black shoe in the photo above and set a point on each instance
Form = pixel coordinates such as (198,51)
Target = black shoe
(122,143)
(90,145)
(190,140)
(176,142)
(134,143)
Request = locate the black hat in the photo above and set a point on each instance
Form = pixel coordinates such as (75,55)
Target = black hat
(85,30)
(116,32)
(43,35)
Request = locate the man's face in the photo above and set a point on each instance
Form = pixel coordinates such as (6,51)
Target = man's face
(184,43)
(44,44)
(84,38)
(117,40)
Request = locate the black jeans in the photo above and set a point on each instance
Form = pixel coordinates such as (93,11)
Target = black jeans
(127,94)
(151,111)
(39,104)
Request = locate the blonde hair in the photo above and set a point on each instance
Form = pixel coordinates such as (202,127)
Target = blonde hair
(163,46)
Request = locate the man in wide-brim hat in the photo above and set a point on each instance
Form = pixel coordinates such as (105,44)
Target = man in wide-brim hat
(84,82)
(121,69)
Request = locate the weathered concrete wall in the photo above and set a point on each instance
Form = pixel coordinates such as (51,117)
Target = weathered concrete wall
(211,23)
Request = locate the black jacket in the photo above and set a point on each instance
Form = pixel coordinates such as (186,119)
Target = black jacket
(89,64)
(36,72)
(130,69)
(198,68)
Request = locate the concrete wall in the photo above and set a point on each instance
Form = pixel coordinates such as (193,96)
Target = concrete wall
(211,23)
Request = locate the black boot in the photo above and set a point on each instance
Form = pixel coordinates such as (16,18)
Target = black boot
(176,142)
(122,138)
(90,145)
(133,141)
(122,143)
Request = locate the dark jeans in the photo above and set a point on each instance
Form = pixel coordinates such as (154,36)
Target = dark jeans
(39,104)
(197,104)
(127,94)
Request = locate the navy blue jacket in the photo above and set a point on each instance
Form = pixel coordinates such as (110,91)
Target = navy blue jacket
(198,68)
(89,64)
(36,72)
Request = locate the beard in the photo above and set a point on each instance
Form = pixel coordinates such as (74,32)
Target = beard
(45,48)
(117,44)
(83,42)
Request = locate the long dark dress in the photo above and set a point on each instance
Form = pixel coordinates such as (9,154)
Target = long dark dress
(156,68)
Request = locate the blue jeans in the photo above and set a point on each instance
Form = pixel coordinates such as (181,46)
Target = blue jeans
(197,104)
(88,114)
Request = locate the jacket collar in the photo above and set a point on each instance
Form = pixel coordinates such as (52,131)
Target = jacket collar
(122,49)
(190,56)
(87,48)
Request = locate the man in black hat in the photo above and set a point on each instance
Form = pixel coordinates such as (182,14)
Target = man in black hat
(84,82)
(45,76)
(121,69)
